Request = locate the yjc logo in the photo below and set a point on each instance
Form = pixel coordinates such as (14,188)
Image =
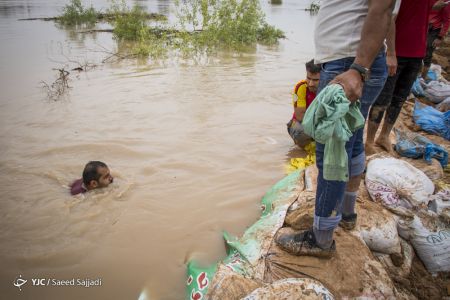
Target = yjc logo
(37,281)
(19,281)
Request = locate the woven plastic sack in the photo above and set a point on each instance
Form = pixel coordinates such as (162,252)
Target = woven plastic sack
(432,246)
(244,253)
(394,182)
(432,120)
(436,91)
(417,89)
(444,105)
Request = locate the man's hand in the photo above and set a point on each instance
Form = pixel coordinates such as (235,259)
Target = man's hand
(437,43)
(391,62)
(352,83)
(439,5)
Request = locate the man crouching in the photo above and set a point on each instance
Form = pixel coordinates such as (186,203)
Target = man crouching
(302,96)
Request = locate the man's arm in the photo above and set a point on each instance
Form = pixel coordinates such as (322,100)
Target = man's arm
(374,31)
(445,21)
(391,56)
(299,113)
(439,4)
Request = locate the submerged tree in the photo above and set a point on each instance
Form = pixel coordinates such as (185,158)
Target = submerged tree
(74,13)
(202,26)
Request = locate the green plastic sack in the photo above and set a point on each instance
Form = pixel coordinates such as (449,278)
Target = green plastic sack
(243,253)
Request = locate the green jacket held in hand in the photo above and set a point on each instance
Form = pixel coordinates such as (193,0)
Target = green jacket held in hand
(331,119)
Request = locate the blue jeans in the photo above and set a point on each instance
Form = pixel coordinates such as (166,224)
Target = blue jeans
(330,193)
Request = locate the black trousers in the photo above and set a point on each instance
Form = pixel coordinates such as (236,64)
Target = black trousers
(395,90)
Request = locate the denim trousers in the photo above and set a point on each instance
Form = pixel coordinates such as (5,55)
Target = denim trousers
(330,193)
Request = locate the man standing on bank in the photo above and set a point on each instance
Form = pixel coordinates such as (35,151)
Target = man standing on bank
(438,23)
(407,46)
(349,39)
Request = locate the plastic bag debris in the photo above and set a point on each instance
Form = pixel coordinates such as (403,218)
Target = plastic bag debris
(303,162)
(432,120)
(414,145)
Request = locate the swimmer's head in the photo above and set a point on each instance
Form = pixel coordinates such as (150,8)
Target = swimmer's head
(96,175)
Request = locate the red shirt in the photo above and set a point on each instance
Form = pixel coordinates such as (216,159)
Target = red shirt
(411,27)
(310,96)
(440,19)
(77,187)
(304,95)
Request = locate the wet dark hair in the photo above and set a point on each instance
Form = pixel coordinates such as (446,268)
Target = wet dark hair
(90,171)
(311,67)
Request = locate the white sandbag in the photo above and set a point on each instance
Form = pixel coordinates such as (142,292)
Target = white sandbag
(432,246)
(395,183)
(291,289)
(398,265)
(436,91)
(382,236)
(437,69)
(440,201)
(444,105)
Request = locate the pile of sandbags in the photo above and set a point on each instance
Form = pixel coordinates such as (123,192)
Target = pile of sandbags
(368,259)
(408,192)
(256,268)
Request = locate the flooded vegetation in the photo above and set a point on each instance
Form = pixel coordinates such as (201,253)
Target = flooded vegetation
(202,27)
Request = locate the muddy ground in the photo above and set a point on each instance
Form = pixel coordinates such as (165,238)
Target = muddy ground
(441,57)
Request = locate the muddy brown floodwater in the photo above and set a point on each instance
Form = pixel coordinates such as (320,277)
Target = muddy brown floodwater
(193,145)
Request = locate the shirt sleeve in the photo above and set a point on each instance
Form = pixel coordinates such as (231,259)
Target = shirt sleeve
(396,7)
(301,94)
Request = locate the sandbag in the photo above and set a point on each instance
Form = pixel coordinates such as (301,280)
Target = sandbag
(292,289)
(417,89)
(440,202)
(240,271)
(230,285)
(432,120)
(413,145)
(398,265)
(379,232)
(433,74)
(444,105)
(434,171)
(435,91)
(395,182)
(432,246)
